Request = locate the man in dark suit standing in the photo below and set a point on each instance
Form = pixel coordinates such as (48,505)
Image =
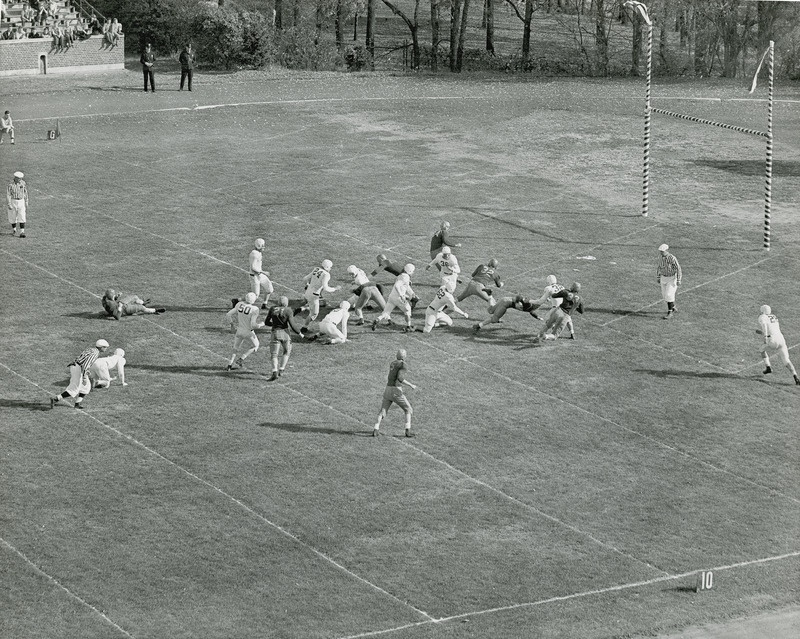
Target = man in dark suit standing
(148,59)
(187,65)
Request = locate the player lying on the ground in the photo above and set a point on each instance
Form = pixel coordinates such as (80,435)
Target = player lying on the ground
(435,314)
(518,302)
(118,304)
(100,371)
(363,293)
(559,316)
(483,277)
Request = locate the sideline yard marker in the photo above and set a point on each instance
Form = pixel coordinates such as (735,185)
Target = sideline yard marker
(705,581)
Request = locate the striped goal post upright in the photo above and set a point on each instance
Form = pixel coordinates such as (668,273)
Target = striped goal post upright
(769,55)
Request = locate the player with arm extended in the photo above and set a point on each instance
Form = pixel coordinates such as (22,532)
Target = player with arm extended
(316,284)
(282,320)
(774,342)
(259,278)
(363,292)
(483,277)
(393,393)
(393,268)
(100,372)
(329,325)
(399,298)
(550,290)
(518,302)
(447,263)
(441,239)
(245,317)
(435,313)
(557,319)
(118,304)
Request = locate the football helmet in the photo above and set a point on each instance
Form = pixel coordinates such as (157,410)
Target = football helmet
(260,244)
(327,265)
(250,298)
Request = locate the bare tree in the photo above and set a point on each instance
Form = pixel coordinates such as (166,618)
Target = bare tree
(434,35)
(527,20)
(488,19)
(370,37)
(462,33)
(413,27)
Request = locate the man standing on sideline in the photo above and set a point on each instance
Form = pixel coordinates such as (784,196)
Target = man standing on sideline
(187,65)
(774,342)
(259,278)
(668,273)
(6,126)
(441,239)
(79,384)
(148,59)
(245,342)
(17,197)
(281,319)
(393,394)
(483,277)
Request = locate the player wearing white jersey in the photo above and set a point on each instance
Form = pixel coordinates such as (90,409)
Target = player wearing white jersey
(550,290)
(245,317)
(100,372)
(399,298)
(330,324)
(259,278)
(435,313)
(317,284)
(774,342)
(448,266)
(364,292)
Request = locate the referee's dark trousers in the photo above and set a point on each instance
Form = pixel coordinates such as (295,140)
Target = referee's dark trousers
(187,73)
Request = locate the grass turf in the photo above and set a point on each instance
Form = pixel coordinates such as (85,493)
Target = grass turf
(567,490)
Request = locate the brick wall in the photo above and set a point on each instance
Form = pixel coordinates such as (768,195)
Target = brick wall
(22,57)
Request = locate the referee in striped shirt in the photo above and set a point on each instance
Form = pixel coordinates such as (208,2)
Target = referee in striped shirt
(79,384)
(17,198)
(668,273)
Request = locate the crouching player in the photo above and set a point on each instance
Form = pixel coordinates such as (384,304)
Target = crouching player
(435,313)
(393,394)
(245,317)
(559,316)
(393,268)
(282,319)
(100,372)
(330,324)
(518,302)
(364,292)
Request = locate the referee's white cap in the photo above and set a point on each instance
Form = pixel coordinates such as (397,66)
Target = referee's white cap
(19,174)
(663,247)
(101,343)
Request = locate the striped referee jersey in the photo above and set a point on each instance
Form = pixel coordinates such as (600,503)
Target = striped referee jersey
(668,266)
(86,359)
(18,191)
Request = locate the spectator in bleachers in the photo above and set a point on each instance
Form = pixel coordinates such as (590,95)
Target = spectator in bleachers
(19,33)
(114,31)
(28,14)
(35,33)
(43,14)
(69,34)
(94,25)
(81,30)
(107,30)
(57,31)
(8,34)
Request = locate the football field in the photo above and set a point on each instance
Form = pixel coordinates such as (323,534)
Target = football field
(573,489)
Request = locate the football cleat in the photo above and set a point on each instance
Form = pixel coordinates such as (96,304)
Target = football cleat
(229,367)
(767,370)
(476,327)
(375,432)
(374,324)
(22,234)
(273,377)
(79,405)
(52,403)
(409,433)
(159,311)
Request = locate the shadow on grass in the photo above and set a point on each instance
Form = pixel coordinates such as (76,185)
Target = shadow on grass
(306,428)
(754,168)
(698,375)
(101,315)
(25,403)
(203,371)
(625,313)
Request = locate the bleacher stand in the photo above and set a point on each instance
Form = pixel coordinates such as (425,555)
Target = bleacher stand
(66,21)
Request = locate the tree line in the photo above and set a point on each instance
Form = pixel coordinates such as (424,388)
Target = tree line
(691,37)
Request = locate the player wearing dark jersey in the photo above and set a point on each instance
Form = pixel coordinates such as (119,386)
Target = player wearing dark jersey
(281,319)
(393,393)
(557,320)
(442,238)
(518,302)
(483,279)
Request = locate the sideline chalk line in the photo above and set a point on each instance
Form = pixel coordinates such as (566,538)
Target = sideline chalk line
(227,495)
(61,586)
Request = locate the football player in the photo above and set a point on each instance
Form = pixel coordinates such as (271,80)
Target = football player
(245,316)
(774,342)
(317,284)
(518,302)
(399,298)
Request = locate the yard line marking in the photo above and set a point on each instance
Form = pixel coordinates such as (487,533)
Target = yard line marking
(420,98)
(578,595)
(219,490)
(760,362)
(650,438)
(61,586)
(689,290)
(41,268)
